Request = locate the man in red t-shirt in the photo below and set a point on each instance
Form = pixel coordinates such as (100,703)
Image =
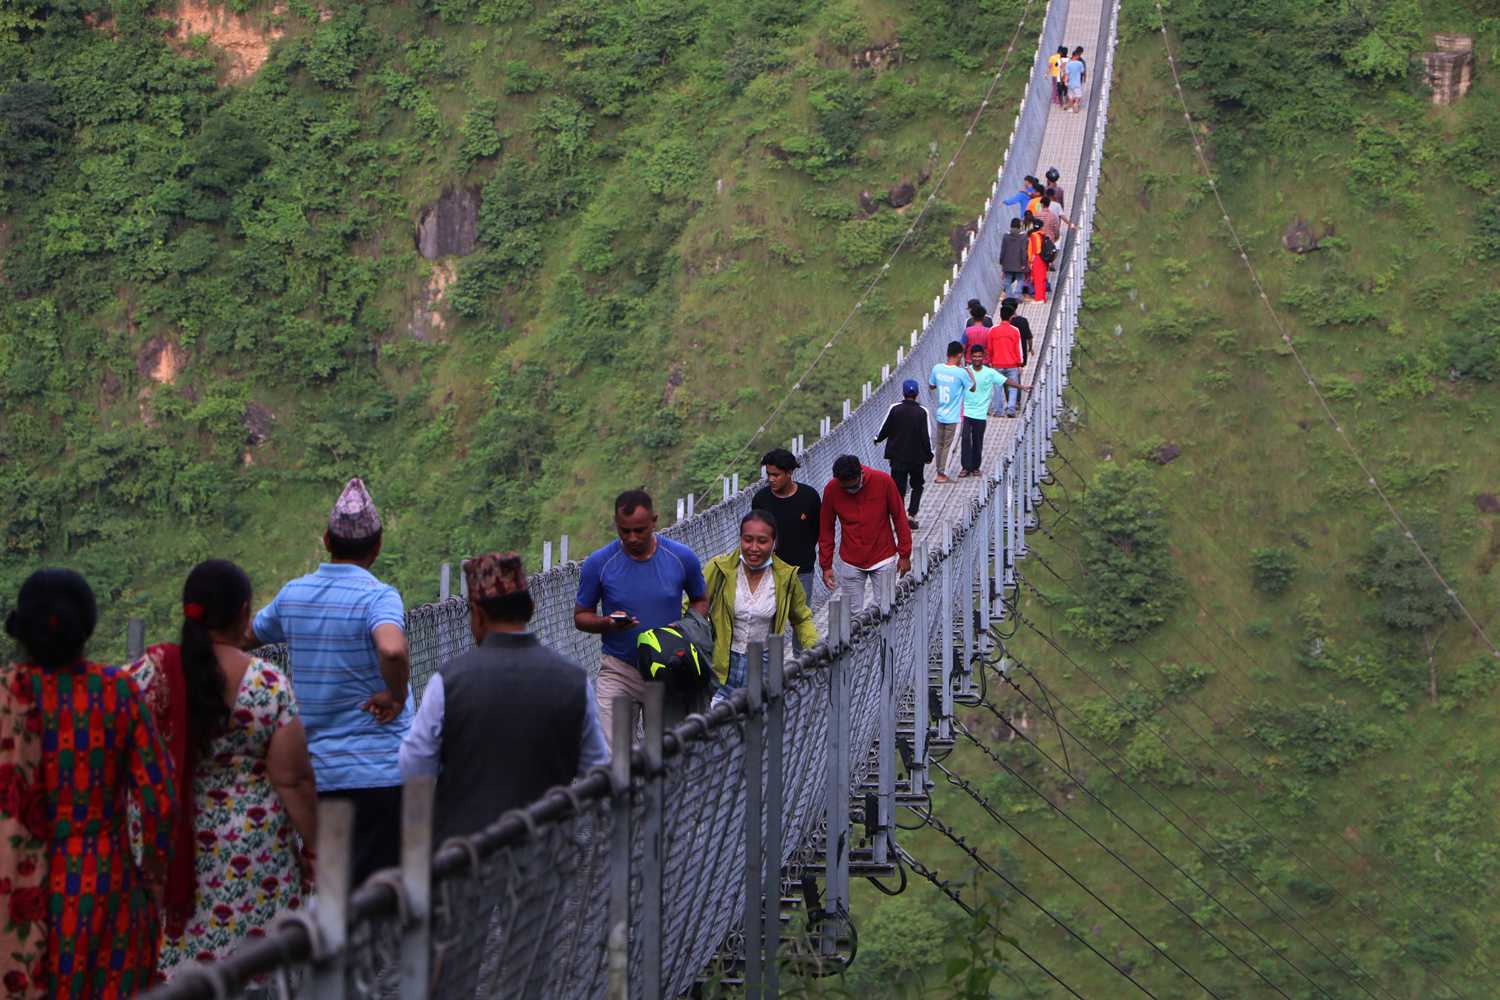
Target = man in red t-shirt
(1005,355)
(875,537)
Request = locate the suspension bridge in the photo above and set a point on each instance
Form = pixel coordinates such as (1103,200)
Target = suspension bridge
(695,856)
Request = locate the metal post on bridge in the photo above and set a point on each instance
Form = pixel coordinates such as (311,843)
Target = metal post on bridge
(945,636)
(562,555)
(755,805)
(652,841)
(546,555)
(681,510)
(692,499)
(330,912)
(135,639)
(885,800)
(445,580)
(417,797)
(775,808)
(836,866)
(921,710)
(618,940)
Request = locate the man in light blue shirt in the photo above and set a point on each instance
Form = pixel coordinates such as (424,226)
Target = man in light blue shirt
(948,383)
(977,402)
(346,642)
(1075,71)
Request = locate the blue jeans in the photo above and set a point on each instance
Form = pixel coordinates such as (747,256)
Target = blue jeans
(1012,395)
(739,675)
(1013,282)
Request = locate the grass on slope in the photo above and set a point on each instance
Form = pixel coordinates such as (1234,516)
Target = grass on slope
(1326,779)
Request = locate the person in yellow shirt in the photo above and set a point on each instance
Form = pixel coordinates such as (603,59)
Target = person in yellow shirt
(1055,64)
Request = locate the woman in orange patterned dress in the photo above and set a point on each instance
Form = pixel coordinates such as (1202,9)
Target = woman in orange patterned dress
(95,748)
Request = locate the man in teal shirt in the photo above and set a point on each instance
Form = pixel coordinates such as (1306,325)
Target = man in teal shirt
(977,409)
(948,383)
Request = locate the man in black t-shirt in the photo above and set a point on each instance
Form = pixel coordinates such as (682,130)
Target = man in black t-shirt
(797,508)
(1010,313)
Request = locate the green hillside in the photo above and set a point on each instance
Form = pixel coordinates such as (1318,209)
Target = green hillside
(1224,613)
(671,228)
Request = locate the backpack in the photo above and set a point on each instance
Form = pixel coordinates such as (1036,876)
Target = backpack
(1049,249)
(666,654)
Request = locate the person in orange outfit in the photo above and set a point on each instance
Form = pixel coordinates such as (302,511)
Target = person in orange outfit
(1038,265)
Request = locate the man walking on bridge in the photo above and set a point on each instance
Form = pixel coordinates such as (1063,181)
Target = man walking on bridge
(948,381)
(639,579)
(907,433)
(798,512)
(875,543)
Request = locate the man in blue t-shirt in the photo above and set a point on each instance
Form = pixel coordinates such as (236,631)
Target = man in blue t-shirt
(948,383)
(345,633)
(637,582)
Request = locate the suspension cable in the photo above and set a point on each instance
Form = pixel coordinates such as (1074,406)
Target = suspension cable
(1281,917)
(983,747)
(1286,339)
(1217,752)
(946,888)
(984,865)
(959,782)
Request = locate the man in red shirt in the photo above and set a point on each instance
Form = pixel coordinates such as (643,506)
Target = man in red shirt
(875,539)
(1005,355)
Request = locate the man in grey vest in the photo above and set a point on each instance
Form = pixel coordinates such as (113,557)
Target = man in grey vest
(505,721)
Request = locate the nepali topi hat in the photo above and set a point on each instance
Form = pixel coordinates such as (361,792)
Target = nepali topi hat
(354,517)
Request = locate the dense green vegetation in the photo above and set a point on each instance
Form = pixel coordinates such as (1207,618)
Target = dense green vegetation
(1311,721)
(670,229)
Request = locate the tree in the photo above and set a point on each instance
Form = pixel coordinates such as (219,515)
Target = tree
(1131,583)
(1272,569)
(1409,596)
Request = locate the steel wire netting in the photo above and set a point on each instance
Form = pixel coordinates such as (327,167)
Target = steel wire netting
(526,915)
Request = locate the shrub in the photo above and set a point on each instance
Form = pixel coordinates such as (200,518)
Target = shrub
(1474,354)
(1391,570)
(1272,569)
(1131,583)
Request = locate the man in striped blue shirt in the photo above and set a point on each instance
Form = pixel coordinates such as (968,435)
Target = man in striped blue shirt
(345,636)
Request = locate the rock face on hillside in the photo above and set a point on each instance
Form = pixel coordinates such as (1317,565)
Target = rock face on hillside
(1449,70)
(448,226)
(258,421)
(160,360)
(245,44)
(1298,236)
(427,320)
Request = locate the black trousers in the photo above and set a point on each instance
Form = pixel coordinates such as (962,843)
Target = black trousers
(971,443)
(377,827)
(913,474)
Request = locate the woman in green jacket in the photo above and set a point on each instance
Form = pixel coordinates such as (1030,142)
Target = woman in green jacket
(751,596)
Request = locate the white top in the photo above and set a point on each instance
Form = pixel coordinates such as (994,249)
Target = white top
(753,611)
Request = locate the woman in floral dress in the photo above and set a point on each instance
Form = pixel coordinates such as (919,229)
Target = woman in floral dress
(231,723)
(75,744)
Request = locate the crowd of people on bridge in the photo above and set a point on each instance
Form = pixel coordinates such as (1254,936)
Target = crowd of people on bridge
(160,812)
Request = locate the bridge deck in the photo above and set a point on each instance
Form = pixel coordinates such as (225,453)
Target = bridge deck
(1063,148)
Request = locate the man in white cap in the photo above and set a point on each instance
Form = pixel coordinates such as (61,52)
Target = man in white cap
(346,640)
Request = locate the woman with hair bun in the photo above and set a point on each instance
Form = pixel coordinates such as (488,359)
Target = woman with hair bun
(246,788)
(77,914)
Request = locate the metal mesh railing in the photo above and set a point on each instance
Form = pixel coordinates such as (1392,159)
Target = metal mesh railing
(521,909)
